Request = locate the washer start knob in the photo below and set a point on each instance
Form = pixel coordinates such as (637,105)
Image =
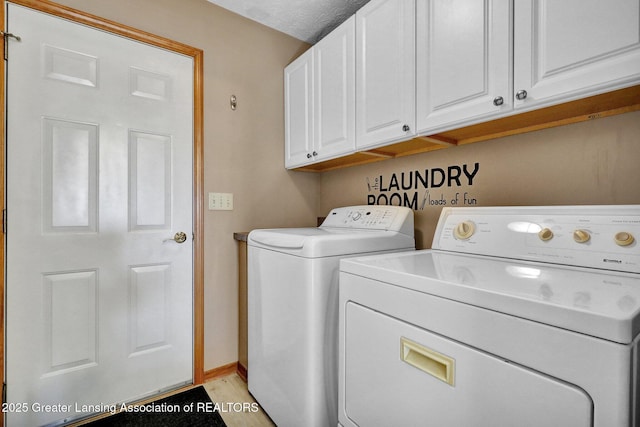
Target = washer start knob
(464,230)
(623,238)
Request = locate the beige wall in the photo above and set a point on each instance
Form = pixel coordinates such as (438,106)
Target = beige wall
(595,162)
(244,150)
(588,163)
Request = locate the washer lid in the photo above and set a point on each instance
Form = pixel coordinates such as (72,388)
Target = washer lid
(284,238)
(599,303)
(324,242)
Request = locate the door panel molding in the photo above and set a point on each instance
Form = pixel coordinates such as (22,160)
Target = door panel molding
(198,159)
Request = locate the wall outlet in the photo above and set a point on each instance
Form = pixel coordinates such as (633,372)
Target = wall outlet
(220,201)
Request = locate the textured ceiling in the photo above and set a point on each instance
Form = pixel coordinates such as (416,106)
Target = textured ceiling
(306,20)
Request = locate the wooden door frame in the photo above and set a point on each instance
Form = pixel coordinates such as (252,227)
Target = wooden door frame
(198,161)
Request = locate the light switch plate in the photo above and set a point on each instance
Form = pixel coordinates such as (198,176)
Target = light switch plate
(220,201)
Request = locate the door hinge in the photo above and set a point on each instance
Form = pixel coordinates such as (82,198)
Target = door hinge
(4,392)
(4,221)
(6,37)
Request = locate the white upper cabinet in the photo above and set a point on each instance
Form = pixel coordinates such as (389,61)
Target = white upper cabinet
(335,92)
(298,110)
(562,51)
(385,72)
(570,49)
(463,60)
(401,68)
(320,100)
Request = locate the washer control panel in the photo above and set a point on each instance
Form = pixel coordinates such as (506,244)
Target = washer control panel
(374,217)
(603,237)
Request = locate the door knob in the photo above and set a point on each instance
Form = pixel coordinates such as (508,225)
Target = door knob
(498,101)
(522,94)
(179,237)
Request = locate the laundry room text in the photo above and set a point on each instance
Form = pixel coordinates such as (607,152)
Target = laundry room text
(419,189)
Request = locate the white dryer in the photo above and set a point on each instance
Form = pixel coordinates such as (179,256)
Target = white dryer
(525,316)
(293,307)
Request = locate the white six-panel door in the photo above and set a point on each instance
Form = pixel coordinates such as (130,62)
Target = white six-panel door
(99,181)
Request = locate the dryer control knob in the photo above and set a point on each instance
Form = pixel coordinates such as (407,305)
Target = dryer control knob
(464,230)
(623,238)
(545,234)
(581,236)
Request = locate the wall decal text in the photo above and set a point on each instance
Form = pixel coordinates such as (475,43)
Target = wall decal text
(415,189)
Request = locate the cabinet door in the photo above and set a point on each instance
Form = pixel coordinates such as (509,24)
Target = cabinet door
(385,70)
(574,48)
(463,54)
(298,111)
(335,92)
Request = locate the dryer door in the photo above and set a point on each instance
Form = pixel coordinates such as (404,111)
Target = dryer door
(398,374)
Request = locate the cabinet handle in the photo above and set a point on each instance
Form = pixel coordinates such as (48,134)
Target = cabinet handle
(406,128)
(315,154)
(498,100)
(521,94)
(308,156)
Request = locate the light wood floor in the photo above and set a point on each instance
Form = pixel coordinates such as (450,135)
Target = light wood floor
(231,392)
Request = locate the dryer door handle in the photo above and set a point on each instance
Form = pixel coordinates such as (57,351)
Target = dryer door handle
(427,360)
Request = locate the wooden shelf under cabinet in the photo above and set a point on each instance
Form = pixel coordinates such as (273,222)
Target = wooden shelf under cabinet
(594,107)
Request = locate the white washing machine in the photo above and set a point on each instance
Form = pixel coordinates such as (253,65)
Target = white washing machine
(525,316)
(293,307)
